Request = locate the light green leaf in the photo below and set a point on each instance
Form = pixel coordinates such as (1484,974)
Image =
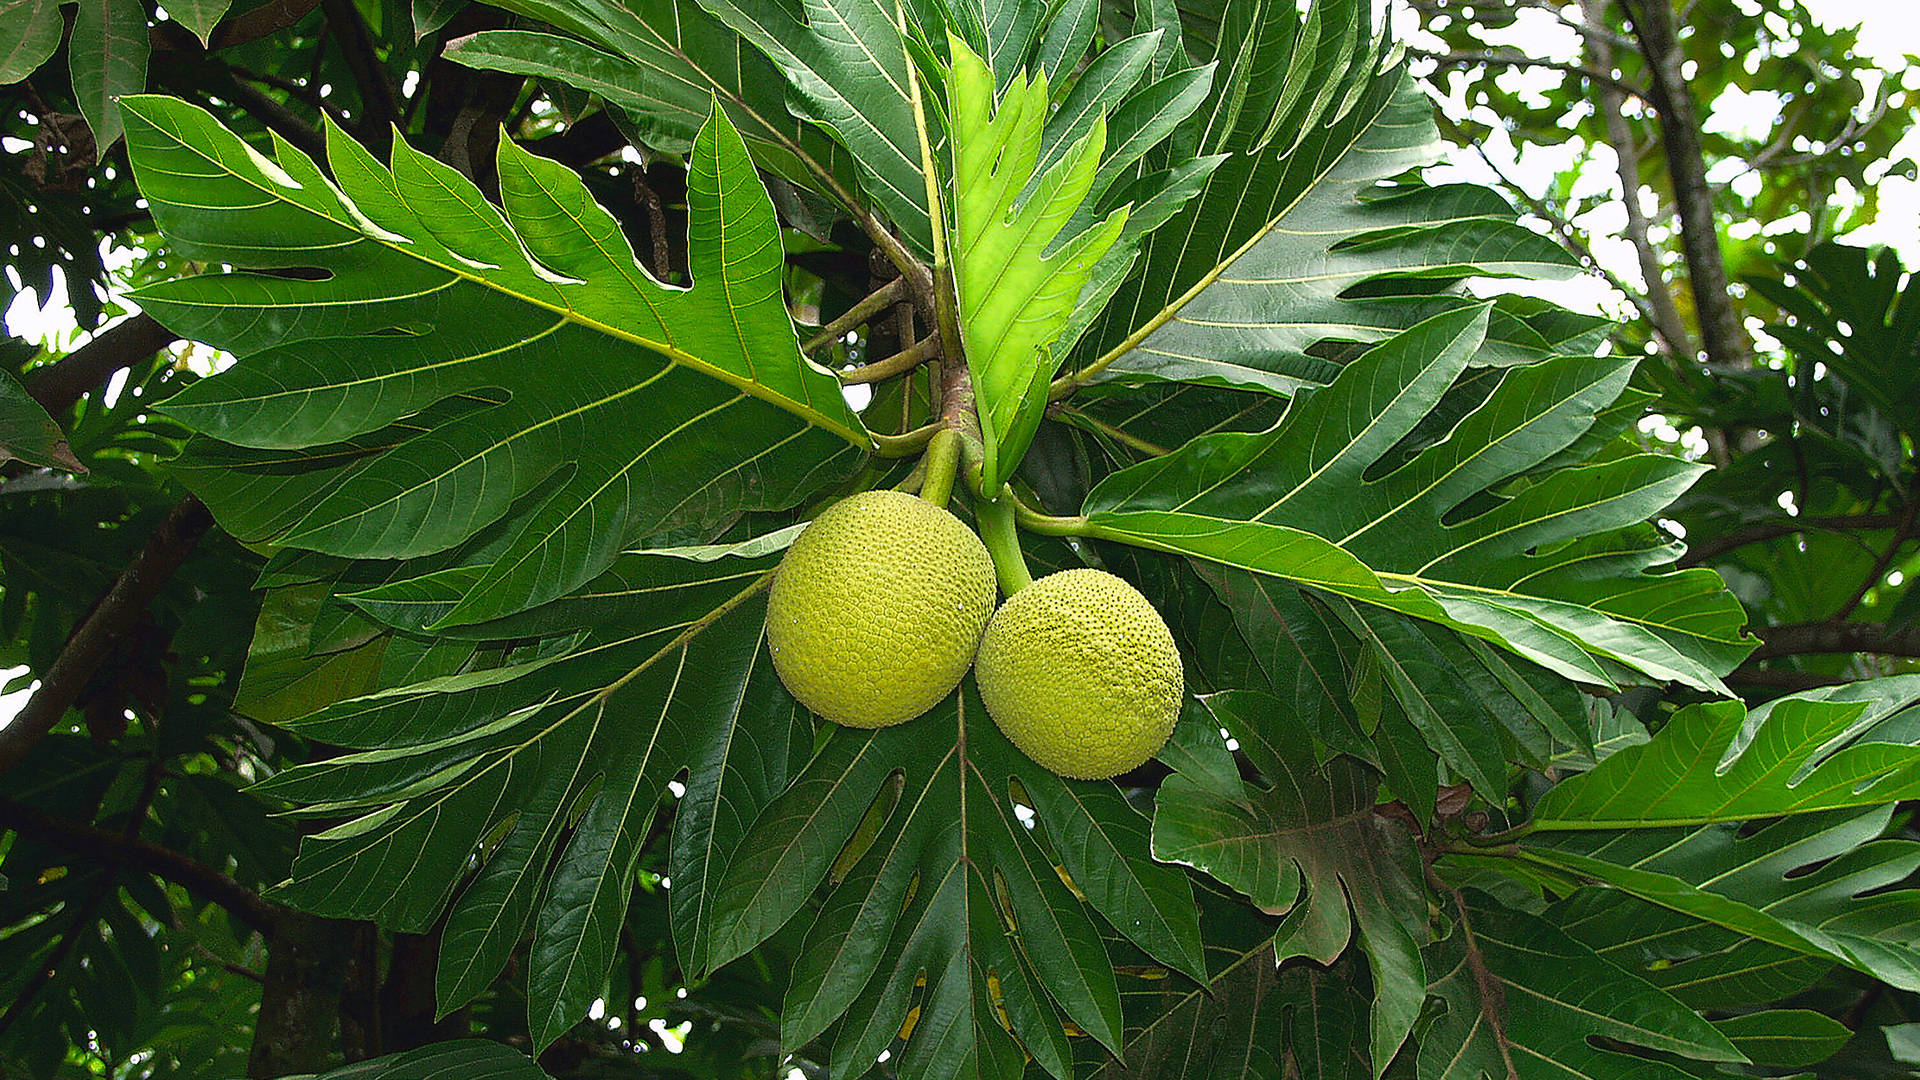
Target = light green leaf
(466,374)
(1719,762)
(1524,1000)
(1556,570)
(1017,276)
(31,33)
(109,57)
(1310,847)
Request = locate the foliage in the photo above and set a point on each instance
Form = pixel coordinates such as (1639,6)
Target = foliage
(532,364)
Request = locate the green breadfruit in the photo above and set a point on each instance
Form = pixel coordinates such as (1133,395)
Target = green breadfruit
(877,609)
(1081,674)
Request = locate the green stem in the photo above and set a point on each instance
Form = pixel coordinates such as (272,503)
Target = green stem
(907,443)
(942,458)
(1003,542)
(1047,524)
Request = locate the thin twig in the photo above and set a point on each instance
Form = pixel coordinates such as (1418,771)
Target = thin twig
(898,364)
(857,315)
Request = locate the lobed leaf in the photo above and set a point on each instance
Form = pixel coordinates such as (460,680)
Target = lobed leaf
(503,378)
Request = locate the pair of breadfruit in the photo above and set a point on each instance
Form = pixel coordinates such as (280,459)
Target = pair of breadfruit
(885,600)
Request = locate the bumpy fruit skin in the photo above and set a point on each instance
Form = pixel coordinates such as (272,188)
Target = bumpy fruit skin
(877,609)
(1080,672)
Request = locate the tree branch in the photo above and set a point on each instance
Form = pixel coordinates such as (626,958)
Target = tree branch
(1721,335)
(1824,638)
(379,104)
(93,640)
(57,386)
(1661,312)
(1507,59)
(1710,549)
(107,848)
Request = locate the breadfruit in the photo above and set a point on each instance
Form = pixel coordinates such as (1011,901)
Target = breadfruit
(1081,674)
(877,608)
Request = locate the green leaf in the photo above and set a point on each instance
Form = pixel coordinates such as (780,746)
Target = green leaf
(847,64)
(1254,1020)
(431,15)
(1252,271)
(109,57)
(1785,1038)
(32,34)
(932,872)
(1556,570)
(475,1059)
(459,370)
(1523,1000)
(663,62)
(28,434)
(553,766)
(1018,276)
(1801,884)
(1719,762)
(1310,847)
(199,16)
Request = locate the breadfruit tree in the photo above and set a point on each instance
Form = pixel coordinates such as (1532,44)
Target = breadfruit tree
(1444,781)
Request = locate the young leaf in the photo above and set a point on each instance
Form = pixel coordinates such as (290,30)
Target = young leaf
(1018,277)
(1552,570)
(1310,847)
(1719,762)
(460,367)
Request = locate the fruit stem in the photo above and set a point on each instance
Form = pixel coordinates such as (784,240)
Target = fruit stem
(941,460)
(1003,542)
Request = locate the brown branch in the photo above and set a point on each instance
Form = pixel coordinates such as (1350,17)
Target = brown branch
(125,601)
(1901,533)
(379,104)
(1825,638)
(1507,59)
(1714,547)
(269,18)
(112,849)
(1785,679)
(1660,310)
(1721,335)
(57,386)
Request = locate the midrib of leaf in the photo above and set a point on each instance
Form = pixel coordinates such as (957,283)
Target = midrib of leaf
(565,312)
(1173,308)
